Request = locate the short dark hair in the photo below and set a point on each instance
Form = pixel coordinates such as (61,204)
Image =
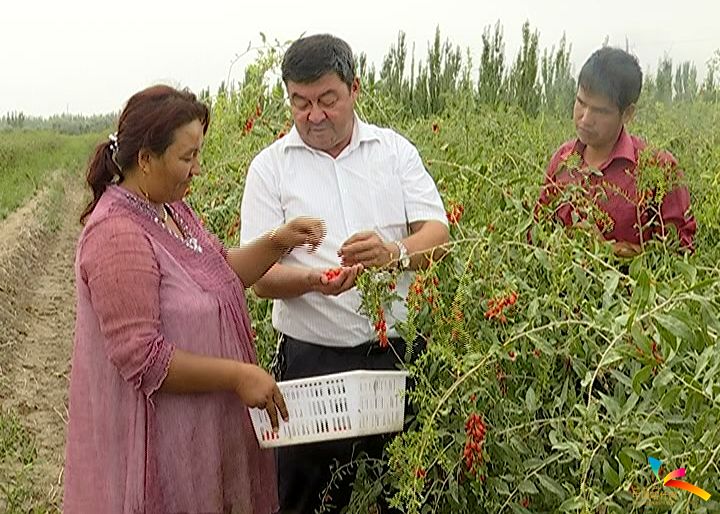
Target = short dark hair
(311,57)
(613,73)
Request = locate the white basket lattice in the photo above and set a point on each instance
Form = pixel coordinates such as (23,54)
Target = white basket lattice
(337,406)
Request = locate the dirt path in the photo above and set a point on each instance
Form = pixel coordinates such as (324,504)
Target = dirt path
(37,309)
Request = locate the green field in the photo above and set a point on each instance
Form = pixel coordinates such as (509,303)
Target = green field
(28,158)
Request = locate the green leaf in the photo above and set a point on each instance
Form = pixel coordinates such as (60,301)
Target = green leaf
(642,377)
(611,405)
(527,487)
(551,485)
(453,488)
(571,447)
(675,326)
(571,504)
(541,257)
(702,361)
(663,378)
(629,405)
(611,475)
(640,338)
(612,278)
(611,358)
(671,397)
(641,293)
(499,485)
(689,271)
(633,454)
(531,400)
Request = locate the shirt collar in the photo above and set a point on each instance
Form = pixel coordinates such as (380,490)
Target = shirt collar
(623,149)
(362,133)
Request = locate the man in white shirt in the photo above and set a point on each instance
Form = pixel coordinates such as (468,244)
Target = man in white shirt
(381,208)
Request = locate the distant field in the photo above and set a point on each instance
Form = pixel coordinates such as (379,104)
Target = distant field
(27,157)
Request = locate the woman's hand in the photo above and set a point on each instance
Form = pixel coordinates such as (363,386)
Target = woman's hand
(299,231)
(256,388)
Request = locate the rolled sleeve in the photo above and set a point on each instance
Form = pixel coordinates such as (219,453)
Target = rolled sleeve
(420,193)
(122,274)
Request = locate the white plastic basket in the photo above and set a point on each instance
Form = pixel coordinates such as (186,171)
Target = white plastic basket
(337,406)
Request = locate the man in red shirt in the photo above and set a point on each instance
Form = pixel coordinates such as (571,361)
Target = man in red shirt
(608,178)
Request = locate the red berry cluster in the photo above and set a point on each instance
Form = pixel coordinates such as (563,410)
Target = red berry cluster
(455,213)
(381,328)
(475,431)
(496,306)
(418,293)
(250,122)
(332,273)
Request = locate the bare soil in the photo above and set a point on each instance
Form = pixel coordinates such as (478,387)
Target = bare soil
(37,312)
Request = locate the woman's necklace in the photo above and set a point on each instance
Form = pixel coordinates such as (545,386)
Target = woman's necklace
(150,211)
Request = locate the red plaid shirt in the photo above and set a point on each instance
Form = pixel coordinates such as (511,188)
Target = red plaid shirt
(624,212)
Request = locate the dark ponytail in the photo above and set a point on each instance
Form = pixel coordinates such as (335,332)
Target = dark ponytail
(149,121)
(100,174)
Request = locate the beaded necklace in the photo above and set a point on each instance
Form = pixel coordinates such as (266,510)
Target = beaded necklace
(148,210)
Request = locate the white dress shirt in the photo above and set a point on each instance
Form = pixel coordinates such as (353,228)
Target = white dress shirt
(378,183)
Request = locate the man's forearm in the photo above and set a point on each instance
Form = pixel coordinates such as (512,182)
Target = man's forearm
(283,281)
(427,243)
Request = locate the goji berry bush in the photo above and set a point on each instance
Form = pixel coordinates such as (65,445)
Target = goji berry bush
(553,369)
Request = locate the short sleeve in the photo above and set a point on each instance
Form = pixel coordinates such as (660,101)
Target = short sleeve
(118,264)
(261,206)
(675,208)
(420,193)
(550,188)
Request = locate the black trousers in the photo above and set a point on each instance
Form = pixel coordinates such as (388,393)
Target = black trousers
(305,471)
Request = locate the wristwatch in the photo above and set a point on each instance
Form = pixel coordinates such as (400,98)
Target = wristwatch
(404,257)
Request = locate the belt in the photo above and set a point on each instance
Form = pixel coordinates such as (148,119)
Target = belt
(366,348)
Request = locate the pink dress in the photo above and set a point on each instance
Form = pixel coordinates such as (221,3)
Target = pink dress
(141,293)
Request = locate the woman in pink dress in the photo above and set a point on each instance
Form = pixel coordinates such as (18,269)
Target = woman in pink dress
(164,366)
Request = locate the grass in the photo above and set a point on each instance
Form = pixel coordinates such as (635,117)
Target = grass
(28,158)
(18,454)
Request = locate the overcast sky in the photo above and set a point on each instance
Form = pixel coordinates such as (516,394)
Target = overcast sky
(86,56)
